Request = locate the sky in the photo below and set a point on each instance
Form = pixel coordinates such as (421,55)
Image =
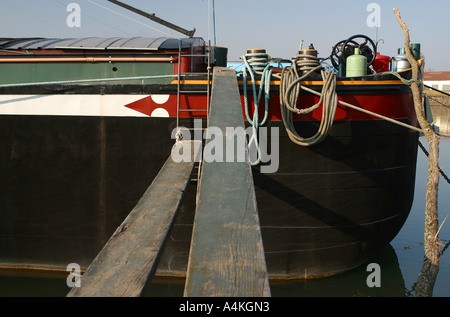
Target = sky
(279,26)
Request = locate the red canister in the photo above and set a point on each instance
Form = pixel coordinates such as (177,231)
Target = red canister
(381,63)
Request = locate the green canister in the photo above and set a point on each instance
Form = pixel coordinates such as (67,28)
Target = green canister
(356,64)
(221,56)
(415,49)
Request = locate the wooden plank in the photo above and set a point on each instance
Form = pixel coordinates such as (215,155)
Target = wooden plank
(227,254)
(130,257)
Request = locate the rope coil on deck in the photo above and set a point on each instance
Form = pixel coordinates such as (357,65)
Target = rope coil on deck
(289,92)
(257,63)
(306,63)
(346,104)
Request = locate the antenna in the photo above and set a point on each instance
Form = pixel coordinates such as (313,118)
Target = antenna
(153,17)
(214,22)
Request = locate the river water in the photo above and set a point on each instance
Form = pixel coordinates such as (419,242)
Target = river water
(399,264)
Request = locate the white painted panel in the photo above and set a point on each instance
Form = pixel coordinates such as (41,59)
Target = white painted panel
(70,105)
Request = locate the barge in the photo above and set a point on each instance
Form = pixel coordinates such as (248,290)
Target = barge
(86,124)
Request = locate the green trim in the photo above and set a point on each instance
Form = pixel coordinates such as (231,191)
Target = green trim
(70,72)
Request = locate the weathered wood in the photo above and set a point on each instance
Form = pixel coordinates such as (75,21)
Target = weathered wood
(430,268)
(432,250)
(130,257)
(227,254)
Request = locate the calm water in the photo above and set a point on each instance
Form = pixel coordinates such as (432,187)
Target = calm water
(400,263)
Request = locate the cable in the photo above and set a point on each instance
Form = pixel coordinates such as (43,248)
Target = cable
(131,19)
(289,92)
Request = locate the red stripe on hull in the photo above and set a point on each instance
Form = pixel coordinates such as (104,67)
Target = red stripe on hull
(395,106)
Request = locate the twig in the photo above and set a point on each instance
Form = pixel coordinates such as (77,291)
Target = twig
(440,227)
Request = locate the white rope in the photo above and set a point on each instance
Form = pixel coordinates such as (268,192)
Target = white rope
(289,93)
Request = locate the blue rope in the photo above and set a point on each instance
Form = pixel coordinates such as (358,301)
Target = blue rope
(257,64)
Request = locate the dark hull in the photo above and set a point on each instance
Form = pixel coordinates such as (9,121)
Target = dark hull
(68,183)
(334,205)
(330,207)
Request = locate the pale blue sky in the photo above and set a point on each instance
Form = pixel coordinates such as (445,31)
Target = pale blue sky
(276,25)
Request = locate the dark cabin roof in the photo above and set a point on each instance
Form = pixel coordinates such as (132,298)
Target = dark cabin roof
(95,43)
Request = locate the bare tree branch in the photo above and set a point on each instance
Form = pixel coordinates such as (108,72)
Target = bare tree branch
(430,268)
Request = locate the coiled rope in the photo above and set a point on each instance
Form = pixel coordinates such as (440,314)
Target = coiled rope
(346,104)
(289,92)
(306,62)
(257,63)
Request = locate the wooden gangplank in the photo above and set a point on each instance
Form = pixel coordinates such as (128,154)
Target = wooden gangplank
(227,256)
(130,257)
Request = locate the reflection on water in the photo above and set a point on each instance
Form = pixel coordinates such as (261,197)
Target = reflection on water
(400,262)
(351,284)
(409,242)
(25,284)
